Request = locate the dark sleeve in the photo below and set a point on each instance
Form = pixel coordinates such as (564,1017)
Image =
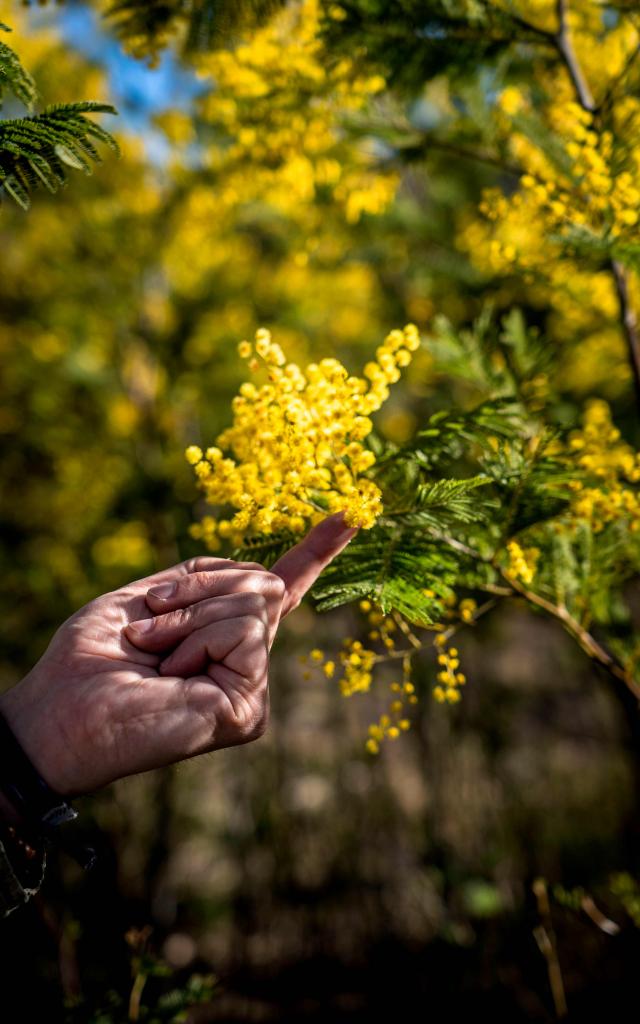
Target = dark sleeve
(22,866)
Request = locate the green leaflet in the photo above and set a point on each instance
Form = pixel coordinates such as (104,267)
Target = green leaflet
(441,502)
(13,77)
(36,151)
(394,568)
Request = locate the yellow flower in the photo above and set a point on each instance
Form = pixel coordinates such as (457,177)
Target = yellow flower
(295,451)
(193,454)
(446,691)
(522,562)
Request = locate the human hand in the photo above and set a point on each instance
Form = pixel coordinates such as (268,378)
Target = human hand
(139,678)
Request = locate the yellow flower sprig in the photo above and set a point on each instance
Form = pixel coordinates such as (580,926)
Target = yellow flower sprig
(614,467)
(450,678)
(295,450)
(356,665)
(522,562)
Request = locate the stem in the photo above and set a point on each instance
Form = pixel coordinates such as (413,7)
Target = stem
(408,632)
(136,996)
(419,151)
(565,47)
(629,321)
(418,645)
(587,642)
(546,939)
(604,923)
(543,33)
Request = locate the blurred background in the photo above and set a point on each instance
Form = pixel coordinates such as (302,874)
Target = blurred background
(258,188)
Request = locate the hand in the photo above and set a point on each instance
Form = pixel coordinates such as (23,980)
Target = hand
(163,669)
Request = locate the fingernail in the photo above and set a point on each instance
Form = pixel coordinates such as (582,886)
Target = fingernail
(142,625)
(164,591)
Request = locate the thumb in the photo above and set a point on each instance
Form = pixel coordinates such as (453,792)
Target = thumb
(301,566)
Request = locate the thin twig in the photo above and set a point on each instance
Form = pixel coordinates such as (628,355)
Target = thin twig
(586,640)
(417,151)
(135,998)
(566,49)
(546,939)
(629,321)
(408,652)
(542,33)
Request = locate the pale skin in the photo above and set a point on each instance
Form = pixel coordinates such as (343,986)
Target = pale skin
(163,669)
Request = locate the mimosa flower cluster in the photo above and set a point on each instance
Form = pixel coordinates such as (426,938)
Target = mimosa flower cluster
(522,562)
(579,186)
(295,453)
(283,146)
(358,663)
(592,192)
(614,466)
(449,677)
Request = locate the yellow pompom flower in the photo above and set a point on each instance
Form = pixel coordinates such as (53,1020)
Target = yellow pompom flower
(295,453)
(449,680)
(522,562)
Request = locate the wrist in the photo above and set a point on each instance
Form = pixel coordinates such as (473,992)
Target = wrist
(23,723)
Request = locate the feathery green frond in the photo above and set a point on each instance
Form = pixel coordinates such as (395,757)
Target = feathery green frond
(414,41)
(148,25)
(394,567)
(265,548)
(13,77)
(447,435)
(37,151)
(441,502)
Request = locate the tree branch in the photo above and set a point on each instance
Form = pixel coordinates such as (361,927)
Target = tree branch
(586,640)
(565,47)
(629,321)
(419,151)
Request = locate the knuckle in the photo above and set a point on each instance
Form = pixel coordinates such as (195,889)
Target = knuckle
(201,582)
(277,585)
(255,628)
(177,619)
(202,563)
(259,605)
(252,600)
(251,605)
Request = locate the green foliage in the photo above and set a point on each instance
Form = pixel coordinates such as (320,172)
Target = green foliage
(445,437)
(439,503)
(414,41)
(37,151)
(13,77)
(394,566)
(147,26)
(266,548)
(208,23)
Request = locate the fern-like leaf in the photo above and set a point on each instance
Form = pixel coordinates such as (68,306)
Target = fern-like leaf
(265,548)
(36,151)
(148,25)
(442,502)
(13,77)
(405,570)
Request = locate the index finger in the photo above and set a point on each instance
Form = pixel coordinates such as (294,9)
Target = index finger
(301,566)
